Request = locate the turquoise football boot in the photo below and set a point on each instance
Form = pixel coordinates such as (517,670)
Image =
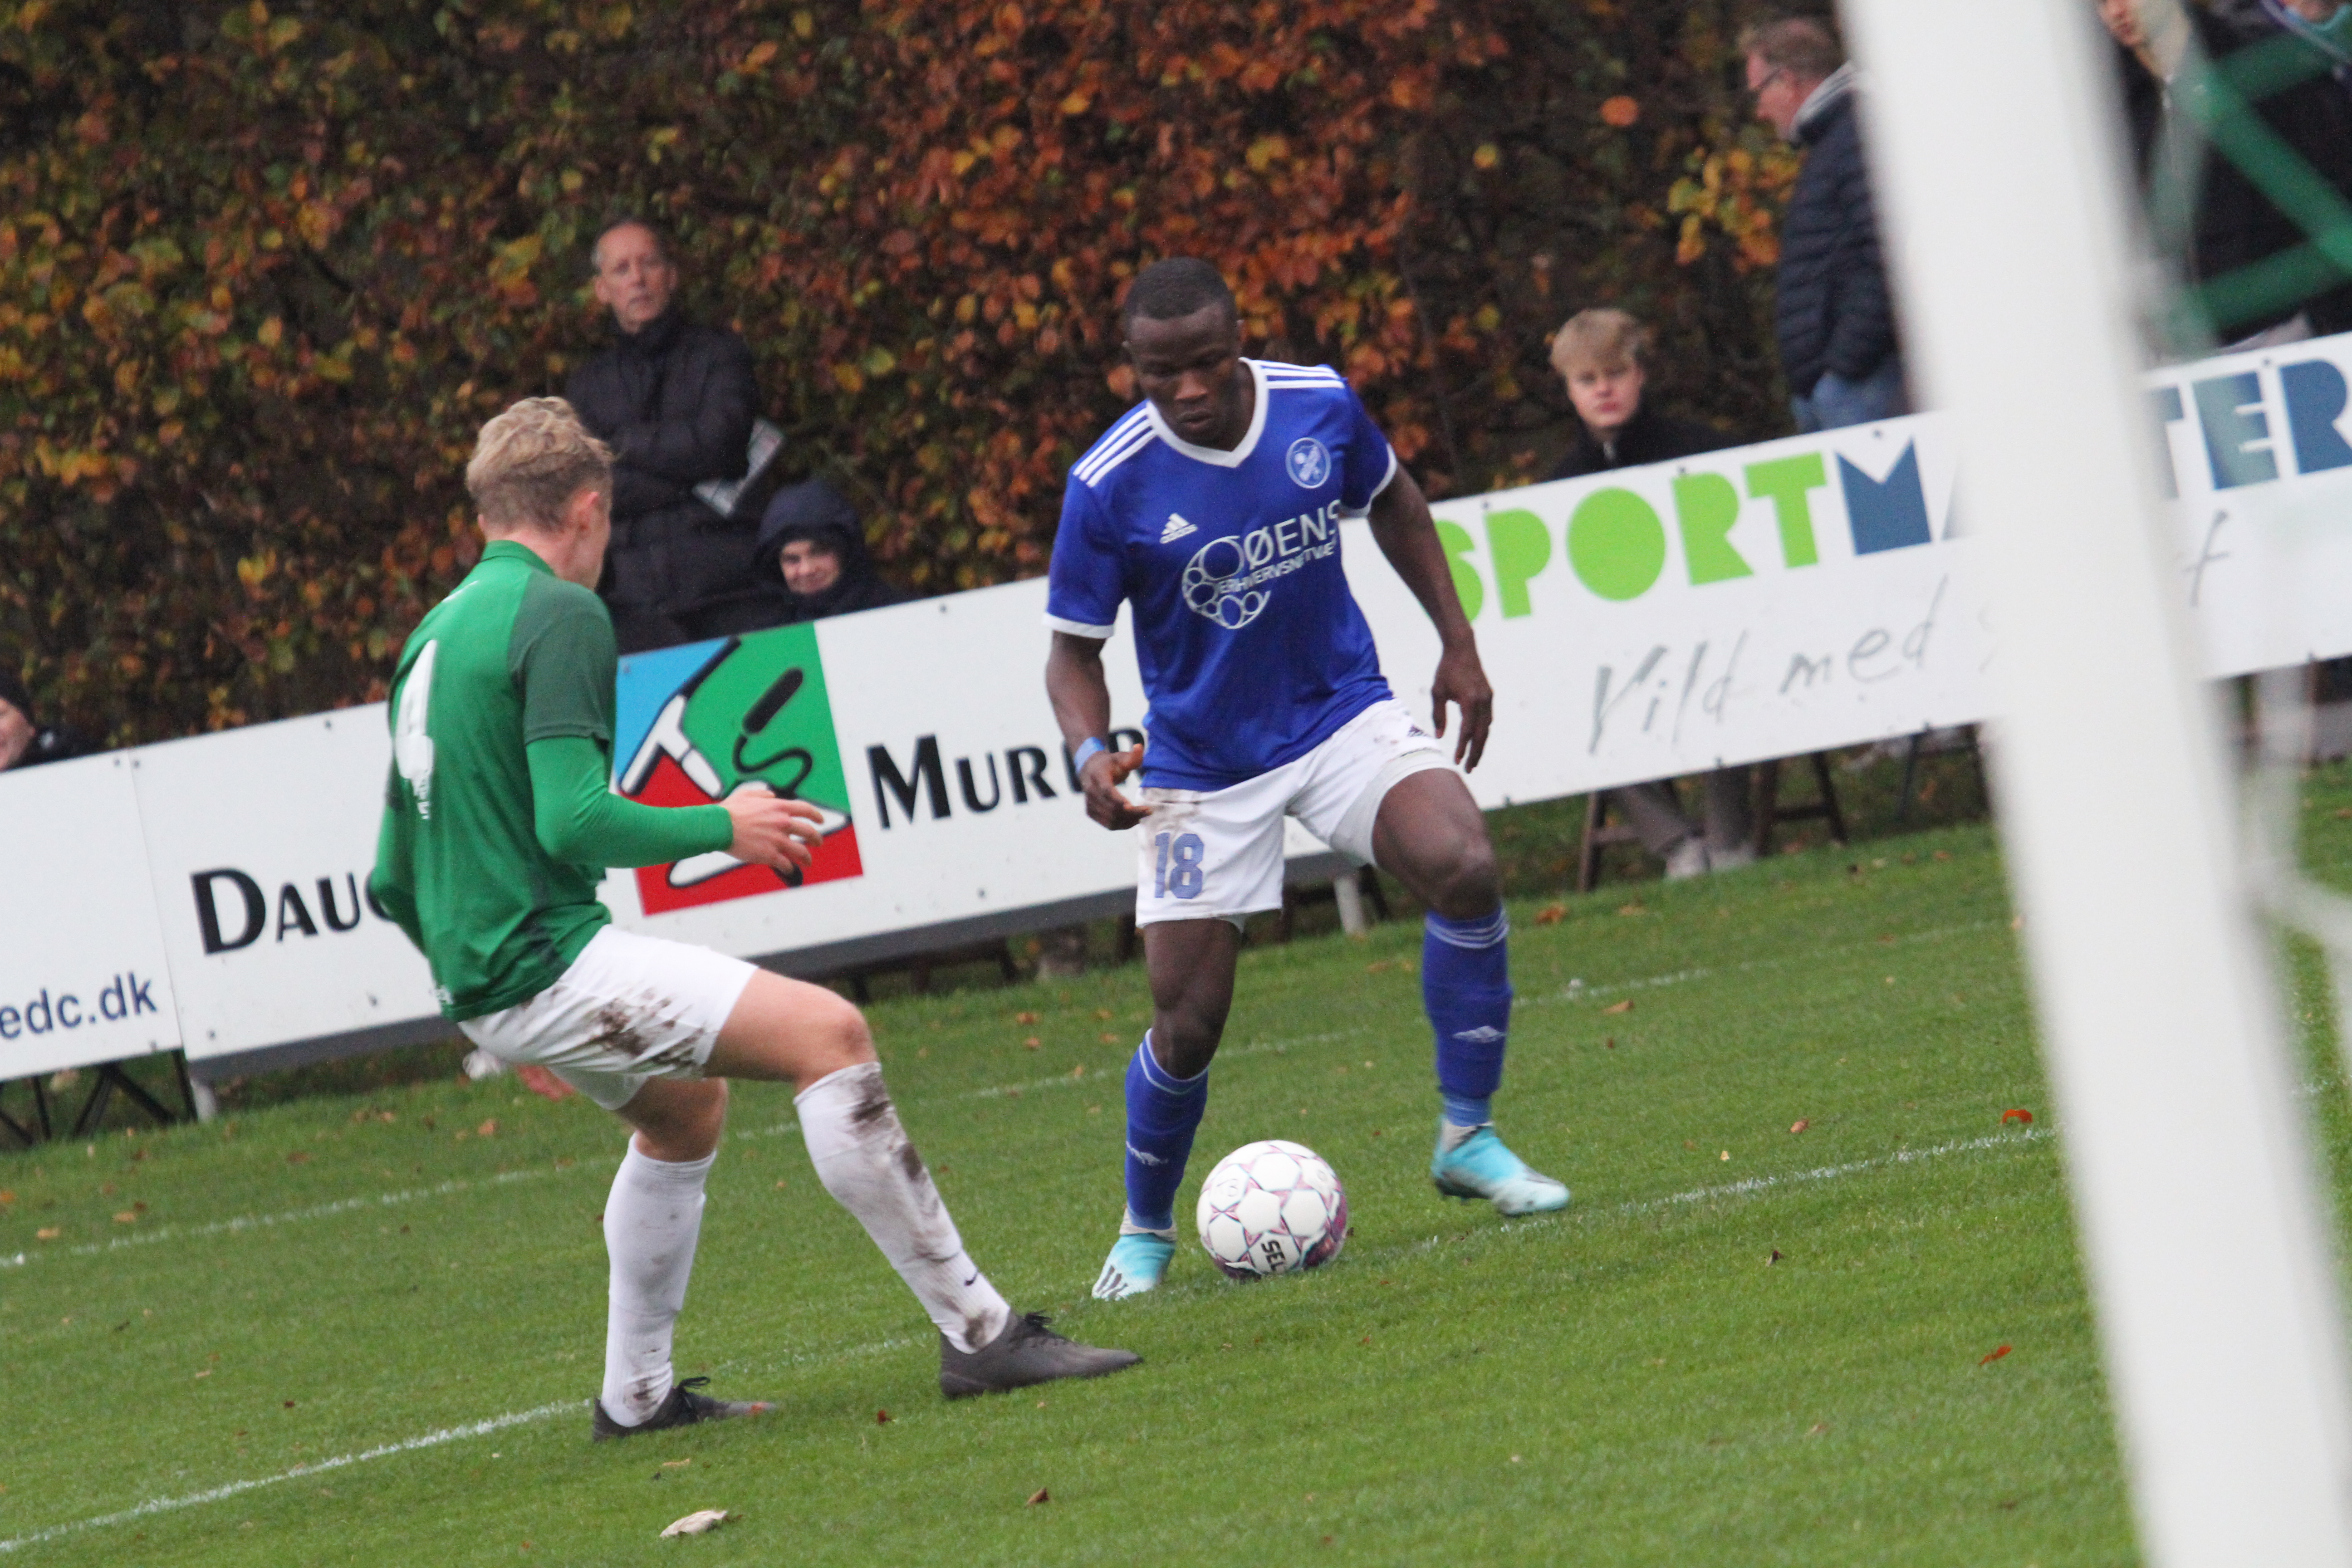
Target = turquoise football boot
(1481,1167)
(1137,1261)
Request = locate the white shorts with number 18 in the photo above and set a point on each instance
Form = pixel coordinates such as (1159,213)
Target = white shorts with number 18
(1217,854)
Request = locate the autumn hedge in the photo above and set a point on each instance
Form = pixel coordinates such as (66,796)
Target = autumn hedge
(263,273)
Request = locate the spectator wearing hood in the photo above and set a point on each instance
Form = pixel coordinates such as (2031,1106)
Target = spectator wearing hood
(676,402)
(25,741)
(1831,309)
(812,538)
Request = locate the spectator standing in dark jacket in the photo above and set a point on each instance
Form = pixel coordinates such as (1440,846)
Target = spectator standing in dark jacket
(812,539)
(1833,314)
(675,401)
(1604,355)
(25,741)
(2233,227)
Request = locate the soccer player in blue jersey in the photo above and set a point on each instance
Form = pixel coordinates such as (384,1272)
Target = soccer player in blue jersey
(1213,510)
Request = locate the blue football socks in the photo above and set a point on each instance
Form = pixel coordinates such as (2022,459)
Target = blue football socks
(1465,985)
(1162,1114)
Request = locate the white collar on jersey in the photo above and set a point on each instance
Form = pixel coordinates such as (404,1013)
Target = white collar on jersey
(1239,455)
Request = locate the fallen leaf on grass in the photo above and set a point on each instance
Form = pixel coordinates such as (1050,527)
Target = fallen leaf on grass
(1108,1038)
(1040,1495)
(1024,1017)
(1031,1043)
(1774,1258)
(126,1218)
(700,1522)
(1610,1041)
(881,1418)
(6,1196)
(1079,1070)
(1625,1007)
(299,1157)
(1633,909)
(1103,1012)
(48,1233)
(206,1372)
(1817,1429)
(2023,1118)
(2343,813)
(1725,1155)
(665,1464)
(488,1128)
(1943,855)
(1995,1355)
(1799,1125)
(1551,914)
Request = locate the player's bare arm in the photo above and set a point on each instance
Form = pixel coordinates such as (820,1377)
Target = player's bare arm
(1408,537)
(1081,699)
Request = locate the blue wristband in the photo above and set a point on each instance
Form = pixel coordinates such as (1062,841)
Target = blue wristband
(1088,750)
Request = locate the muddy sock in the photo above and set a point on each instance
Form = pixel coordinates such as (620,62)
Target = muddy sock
(863,1157)
(651,1221)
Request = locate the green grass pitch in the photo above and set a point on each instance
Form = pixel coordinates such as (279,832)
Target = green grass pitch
(1743,1344)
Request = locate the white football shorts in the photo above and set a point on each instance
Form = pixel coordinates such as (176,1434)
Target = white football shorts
(1217,854)
(630,1008)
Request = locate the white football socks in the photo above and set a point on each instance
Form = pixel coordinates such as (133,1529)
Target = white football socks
(651,1222)
(863,1157)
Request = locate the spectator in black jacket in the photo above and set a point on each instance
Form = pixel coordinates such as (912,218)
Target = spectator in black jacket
(1834,315)
(1604,355)
(675,401)
(2233,227)
(811,537)
(25,741)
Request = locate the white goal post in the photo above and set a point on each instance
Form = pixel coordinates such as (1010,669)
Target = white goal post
(1997,165)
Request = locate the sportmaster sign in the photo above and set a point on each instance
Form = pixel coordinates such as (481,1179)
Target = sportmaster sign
(697,723)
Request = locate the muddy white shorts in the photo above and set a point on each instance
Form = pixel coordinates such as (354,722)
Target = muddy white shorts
(1211,855)
(630,1008)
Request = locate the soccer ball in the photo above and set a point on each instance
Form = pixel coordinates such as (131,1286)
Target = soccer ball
(1270,1207)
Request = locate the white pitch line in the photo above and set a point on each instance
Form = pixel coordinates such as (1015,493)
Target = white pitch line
(300,1472)
(1577,990)
(264,1221)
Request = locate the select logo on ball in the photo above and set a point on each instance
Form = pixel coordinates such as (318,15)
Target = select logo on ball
(1271,1207)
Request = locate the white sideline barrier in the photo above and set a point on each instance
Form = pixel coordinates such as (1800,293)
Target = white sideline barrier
(1762,602)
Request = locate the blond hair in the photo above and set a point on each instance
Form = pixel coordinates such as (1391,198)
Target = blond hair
(1603,338)
(530,461)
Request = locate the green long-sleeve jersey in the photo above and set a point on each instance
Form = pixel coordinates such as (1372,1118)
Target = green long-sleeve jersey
(498,821)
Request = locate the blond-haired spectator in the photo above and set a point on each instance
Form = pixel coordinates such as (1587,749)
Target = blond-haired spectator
(1603,356)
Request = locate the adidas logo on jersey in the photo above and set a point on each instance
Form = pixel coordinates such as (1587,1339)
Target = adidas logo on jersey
(1177,528)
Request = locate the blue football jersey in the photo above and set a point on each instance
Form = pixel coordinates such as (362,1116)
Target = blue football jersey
(1252,649)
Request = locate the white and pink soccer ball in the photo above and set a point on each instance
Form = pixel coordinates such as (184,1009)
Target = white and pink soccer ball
(1270,1207)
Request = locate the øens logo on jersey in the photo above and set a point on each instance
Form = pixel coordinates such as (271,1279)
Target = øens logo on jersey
(1177,528)
(1309,462)
(698,723)
(1229,580)
(1483,1035)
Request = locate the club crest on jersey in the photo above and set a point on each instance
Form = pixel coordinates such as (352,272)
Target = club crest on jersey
(1228,580)
(1177,528)
(1309,462)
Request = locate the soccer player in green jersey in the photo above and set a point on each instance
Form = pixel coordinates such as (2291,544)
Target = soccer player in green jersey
(498,824)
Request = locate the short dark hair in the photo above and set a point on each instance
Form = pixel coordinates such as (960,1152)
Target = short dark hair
(1175,287)
(625,220)
(1804,47)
